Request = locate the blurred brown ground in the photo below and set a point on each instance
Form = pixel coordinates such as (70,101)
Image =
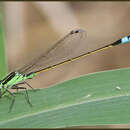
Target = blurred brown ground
(104,22)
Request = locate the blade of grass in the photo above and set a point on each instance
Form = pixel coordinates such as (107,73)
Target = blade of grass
(95,99)
(2,51)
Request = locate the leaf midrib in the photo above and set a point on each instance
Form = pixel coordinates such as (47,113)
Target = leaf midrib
(61,107)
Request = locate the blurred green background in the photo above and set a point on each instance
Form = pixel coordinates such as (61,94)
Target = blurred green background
(32,27)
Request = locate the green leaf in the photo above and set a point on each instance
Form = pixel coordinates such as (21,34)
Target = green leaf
(2,51)
(95,99)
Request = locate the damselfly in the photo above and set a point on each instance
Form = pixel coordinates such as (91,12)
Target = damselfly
(70,48)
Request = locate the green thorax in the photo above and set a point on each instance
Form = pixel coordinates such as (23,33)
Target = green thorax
(15,78)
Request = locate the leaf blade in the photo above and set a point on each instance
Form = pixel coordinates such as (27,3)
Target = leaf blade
(88,100)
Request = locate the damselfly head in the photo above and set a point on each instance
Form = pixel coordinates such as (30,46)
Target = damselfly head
(1,84)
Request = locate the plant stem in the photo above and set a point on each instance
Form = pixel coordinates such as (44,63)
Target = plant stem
(3,67)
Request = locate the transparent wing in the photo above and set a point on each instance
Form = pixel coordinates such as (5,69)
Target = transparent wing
(72,45)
